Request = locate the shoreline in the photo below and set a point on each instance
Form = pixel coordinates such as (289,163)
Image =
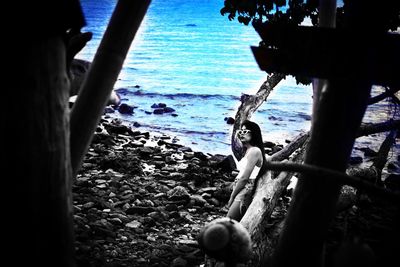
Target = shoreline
(359,157)
(180,139)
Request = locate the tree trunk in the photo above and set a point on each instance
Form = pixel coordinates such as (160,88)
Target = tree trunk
(333,131)
(326,18)
(256,218)
(258,215)
(265,199)
(314,203)
(38,208)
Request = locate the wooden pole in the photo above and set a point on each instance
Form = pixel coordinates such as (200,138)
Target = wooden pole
(37,199)
(326,19)
(102,75)
(313,205)
(336,120)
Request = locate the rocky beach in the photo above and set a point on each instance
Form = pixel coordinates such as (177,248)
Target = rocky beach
(141,200)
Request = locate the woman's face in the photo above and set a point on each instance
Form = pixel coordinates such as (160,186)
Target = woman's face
(244,135)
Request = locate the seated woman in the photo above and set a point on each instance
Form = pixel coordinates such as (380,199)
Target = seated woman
(251,167)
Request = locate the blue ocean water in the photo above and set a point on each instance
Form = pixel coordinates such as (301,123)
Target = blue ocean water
(193,59)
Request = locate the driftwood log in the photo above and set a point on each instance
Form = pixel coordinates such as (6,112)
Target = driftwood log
(259,212)
(269,190)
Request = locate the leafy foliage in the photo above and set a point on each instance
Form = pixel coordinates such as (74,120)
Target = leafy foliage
(256,11)
(386,14)
(272,11)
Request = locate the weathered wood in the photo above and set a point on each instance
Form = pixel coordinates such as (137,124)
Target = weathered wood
(38,220)
(326,19)
(256,218)
(373,128)
(333,133)
(103,73)
(364,129)
(274,188)
(373,173)
(334,176)
(249,104)
(388,93)
(297,143)
(395,99)
(258,214)
(381,158)
(314,202)
(269,189)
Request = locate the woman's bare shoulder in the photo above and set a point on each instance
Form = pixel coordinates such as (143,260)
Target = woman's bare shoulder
(254,152)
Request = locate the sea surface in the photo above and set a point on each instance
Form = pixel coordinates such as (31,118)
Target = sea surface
(193,59)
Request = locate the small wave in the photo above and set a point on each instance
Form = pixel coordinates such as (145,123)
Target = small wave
(304,116)
(168,128)
(127,91)
(184,131)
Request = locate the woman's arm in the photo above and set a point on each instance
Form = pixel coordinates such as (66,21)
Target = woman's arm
(253,156)
(239,186)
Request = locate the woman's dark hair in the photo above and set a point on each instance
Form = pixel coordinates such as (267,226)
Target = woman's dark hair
(256,140)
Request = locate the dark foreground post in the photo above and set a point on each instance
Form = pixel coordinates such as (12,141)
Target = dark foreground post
(339,113)
(36,198)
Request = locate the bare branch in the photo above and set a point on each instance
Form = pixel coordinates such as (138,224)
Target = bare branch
(296,143)
(372,128)
(389,92)
(381,158)
(332,174)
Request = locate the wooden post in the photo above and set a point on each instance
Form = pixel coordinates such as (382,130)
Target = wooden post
(36,171)
(103,73)
(313,205)
(335,124)
(327,19)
